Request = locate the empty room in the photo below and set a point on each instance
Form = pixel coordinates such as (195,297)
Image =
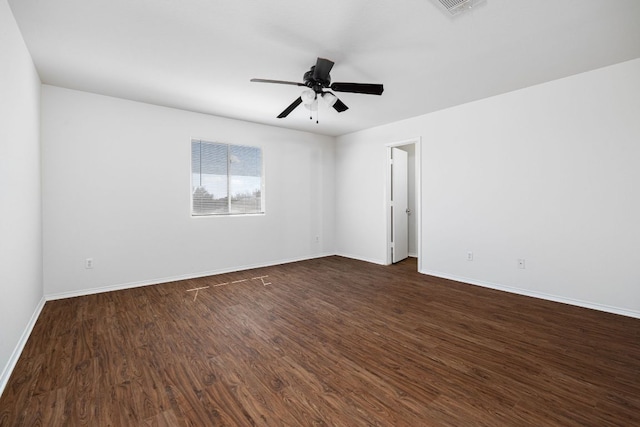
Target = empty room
(338,213)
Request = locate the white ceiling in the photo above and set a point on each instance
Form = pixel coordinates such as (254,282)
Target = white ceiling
(199,55)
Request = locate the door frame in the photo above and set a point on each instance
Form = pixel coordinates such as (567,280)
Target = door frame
(417,142)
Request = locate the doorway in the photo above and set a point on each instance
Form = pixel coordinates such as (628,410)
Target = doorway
(402,198)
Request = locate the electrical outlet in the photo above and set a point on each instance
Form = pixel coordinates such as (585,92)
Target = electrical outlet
(88,263)
(317,239)
(469,256)
(521,264)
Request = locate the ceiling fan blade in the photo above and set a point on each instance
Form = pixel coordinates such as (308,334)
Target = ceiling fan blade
(366,88)
(290,108)
(322,69)
(282,82)
(340,106)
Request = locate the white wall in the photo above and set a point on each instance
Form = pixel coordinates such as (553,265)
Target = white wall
(549,174)
(360,202)
(20,194)
(116,185)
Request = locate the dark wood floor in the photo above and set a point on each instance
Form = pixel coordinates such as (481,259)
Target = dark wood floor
(330,341)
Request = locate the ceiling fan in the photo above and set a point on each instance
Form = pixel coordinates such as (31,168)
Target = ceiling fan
(318,80)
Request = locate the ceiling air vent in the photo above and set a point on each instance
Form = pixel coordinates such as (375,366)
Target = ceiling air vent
(455,7)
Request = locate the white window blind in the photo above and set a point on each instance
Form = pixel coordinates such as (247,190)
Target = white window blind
(226,179)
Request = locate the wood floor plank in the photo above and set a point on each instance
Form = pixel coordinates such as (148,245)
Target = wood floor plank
(44,408)
(328,342)
(163,419)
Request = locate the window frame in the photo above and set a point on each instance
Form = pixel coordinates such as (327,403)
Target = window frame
(228,176)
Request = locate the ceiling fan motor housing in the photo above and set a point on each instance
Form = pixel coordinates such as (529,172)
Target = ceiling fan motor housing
(316,84)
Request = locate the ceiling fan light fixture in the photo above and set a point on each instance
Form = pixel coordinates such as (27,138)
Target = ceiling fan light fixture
(308,97)
(329,98)
(312,106)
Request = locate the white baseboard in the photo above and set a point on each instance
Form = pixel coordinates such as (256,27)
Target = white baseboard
(13,360)
(157,281)
(359,258)
(540,295)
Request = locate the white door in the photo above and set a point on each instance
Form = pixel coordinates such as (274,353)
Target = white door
(399,205)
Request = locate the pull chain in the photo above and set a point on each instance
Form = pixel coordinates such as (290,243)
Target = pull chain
(317,110)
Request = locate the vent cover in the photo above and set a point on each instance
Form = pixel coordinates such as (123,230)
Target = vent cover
(455,7)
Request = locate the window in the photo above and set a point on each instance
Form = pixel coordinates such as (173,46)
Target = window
(225,179)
